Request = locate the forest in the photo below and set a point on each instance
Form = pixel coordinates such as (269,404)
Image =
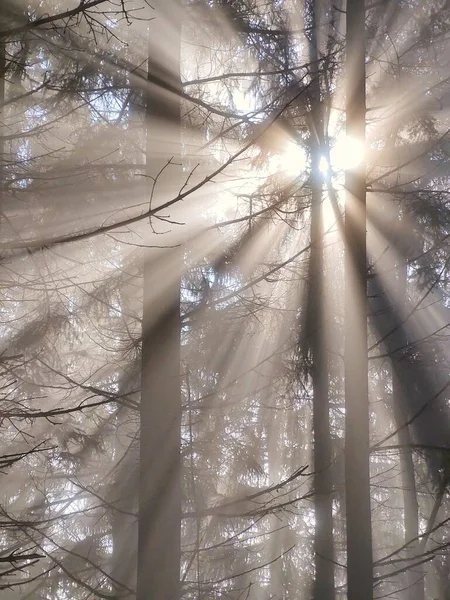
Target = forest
(224,299)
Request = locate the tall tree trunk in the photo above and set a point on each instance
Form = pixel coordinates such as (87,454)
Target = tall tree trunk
(123,530)
(415,578)
(123,501)
(159,494)
(2,116)
(357,477)
(323,532)
(122,493)
(415,583)
(275,542)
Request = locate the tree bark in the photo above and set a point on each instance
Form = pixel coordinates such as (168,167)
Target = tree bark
(415,582)
(2,118)
(323,530)
(357,476)
(415,578)
(159,497)
(160,494)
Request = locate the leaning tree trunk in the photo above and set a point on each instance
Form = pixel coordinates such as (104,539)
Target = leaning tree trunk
(323,531)
(159,496)
(357,478)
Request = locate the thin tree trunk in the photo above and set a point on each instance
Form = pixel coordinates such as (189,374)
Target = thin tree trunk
(122,497)
(415,579)
(323,531)
(275,543)
(440,579)
(123,530)
(434,512)
(2,117)
(159,494)
(357,477)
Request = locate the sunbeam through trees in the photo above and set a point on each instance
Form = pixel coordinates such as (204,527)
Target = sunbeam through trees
(224,296)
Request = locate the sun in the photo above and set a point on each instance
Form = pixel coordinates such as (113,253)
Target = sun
(346,153)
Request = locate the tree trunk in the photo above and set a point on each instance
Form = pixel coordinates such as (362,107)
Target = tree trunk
(357,477)
(123,530)
(415,583)
(415,578)
(323,531)
(2,118)
(275,542)
(159,495)
(123,501)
